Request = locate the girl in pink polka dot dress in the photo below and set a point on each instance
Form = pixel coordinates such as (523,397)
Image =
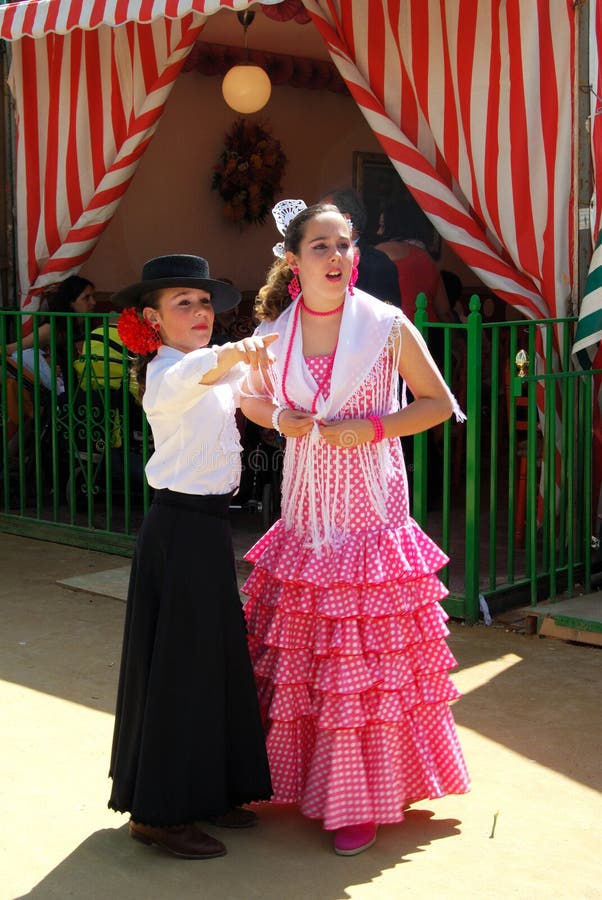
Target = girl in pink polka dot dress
(346,633)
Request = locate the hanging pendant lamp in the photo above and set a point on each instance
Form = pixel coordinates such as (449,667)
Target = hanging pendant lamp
(246,88)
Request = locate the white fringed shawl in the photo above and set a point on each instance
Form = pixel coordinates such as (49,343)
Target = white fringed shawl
(317,476)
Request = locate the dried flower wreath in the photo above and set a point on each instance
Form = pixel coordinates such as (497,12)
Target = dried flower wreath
(249,173)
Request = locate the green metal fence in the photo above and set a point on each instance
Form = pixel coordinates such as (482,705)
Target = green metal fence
(517,493)
(73,452)
(507,494)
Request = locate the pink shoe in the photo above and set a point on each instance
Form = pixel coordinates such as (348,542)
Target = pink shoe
(353,839)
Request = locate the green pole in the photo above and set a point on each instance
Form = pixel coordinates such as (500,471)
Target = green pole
(420,474)
(473,458)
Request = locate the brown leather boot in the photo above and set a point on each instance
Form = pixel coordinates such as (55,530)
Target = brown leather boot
(237,817)
(186,841)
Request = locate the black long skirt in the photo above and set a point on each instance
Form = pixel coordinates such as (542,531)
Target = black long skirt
(188,740)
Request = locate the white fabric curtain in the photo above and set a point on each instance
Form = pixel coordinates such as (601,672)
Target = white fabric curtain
(473,103)
(471,100)
(87,105)
(90,82)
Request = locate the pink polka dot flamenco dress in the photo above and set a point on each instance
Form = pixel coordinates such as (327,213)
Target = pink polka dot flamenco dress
(346,633)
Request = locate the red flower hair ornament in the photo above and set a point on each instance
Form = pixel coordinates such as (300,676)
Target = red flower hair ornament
(137,333)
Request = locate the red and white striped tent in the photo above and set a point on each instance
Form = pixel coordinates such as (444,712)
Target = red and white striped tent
(473,101)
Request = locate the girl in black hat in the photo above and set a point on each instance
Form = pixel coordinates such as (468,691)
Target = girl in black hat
(188,745)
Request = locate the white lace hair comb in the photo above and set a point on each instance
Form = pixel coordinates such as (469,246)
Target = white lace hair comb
(284,212)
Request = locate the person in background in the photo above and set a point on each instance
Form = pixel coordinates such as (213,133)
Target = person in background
(73,295)
(104,340)
(100,364)
(417,271)
(453,288)
(225,322)
(376,274)
(188,745)
(346,632)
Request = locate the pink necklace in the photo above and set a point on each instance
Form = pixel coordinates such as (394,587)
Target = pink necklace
(287,360)
(324,380)
(314,312)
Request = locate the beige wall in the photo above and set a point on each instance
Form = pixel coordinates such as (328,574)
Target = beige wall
(170,207)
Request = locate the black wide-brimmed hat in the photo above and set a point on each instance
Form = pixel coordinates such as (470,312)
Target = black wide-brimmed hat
(178,270)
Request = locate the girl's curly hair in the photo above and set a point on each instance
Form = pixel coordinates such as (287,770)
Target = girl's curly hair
(273,298)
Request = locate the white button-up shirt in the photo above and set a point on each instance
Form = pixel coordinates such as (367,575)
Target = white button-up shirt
(197,446)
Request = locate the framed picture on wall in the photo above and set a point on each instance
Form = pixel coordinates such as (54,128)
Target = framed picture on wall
(392,211)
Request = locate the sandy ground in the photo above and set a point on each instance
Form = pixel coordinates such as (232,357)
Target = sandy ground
(530,722)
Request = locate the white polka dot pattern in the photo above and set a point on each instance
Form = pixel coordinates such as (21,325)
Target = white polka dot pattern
(349,653)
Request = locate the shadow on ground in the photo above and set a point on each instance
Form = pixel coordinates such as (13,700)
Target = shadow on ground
(275,860)
(544,705)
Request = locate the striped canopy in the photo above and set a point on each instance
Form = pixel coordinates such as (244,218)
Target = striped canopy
(471,99)
(587,349)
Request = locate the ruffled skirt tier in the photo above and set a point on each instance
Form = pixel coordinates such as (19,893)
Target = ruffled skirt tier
(349,654)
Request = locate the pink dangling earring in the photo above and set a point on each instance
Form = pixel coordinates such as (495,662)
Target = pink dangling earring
(354,274)
(294,288)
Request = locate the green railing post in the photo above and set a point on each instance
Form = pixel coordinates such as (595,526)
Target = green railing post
(533,488)
(474,365)
(494,449)
(5,421)
(420,474)
(551,434)
(588,514)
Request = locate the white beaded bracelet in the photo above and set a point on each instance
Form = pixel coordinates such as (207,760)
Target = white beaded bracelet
(276,416)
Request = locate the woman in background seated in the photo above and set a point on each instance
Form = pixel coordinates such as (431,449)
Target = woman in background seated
(73,295)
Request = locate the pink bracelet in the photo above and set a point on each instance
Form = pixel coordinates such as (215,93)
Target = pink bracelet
(379,429)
